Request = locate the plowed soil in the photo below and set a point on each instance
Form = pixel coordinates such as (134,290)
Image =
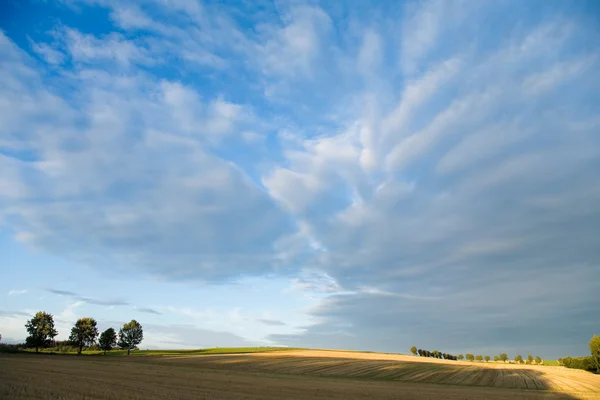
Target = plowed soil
(302,374)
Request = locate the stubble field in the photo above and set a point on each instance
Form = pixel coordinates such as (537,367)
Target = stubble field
(298,374)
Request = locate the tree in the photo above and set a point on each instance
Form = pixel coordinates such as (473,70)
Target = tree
(460,357)
(503,357)
(107,340)
(519,358)
(538,360)
(496,358)
(470,357)
(413,350)
(41,330)
(84,333)
(130,335)
(487,358)
(560,361)
(595,350)
(436,353)
(420,351)
(479,358)
(530,358)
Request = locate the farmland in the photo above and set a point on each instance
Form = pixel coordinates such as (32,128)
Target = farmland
(293,374)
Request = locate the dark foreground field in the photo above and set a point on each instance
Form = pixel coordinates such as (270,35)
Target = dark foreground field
(282,375)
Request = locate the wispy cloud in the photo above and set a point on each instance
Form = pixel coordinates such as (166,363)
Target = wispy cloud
(271,322)
(88,300)
(16,292)
(148,310)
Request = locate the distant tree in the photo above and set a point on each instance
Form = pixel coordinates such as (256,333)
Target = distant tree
(107,340)
(519,358)
(470,357)
(460,357)
(538,360)
(560,361)
(436,353)
(130,335)
(420,351)
(479,358)
(530,358)
(595,350)
(496,358)
(413,350)
(84,333)
(487,358)
(445,356)
(503,357)
(41,330)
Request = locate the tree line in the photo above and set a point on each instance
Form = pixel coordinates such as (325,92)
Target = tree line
(470,357)
(434,354)
(85,333)
(590,363)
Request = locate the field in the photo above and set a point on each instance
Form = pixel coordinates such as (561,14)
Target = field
(284,374)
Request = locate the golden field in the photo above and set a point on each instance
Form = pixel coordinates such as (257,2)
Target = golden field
(296,374)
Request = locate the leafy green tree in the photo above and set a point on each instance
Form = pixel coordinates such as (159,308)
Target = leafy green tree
(538,360)
(130,335)
(436,353)
(470,357)
(84,333)
(560,361)
(595,350)
(420,351)
(107,340)
(530,358)
(479,358)
(519,358)
(503,357)
(41,330)
(487,358)
(460,357)
(496,358)
(413,350)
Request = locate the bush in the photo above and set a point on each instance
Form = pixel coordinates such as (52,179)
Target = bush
(11,348)
(584,363)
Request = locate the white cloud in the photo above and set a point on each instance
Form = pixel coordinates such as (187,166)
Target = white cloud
(15,292)
(48,53)
(293,48)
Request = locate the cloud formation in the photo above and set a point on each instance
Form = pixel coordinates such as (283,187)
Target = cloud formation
(421,167)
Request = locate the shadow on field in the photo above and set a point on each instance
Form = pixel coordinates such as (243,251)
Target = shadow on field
(570,384)
(275,376)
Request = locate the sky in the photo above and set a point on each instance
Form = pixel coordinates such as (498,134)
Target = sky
(327,174)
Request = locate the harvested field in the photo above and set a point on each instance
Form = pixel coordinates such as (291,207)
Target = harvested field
(302,374)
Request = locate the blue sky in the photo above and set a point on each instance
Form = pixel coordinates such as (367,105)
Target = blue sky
(319,174)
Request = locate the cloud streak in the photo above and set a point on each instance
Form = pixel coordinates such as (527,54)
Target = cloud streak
(88,300)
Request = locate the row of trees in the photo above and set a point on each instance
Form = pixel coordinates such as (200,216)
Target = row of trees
(42,332)
(470,357)
(434,354)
